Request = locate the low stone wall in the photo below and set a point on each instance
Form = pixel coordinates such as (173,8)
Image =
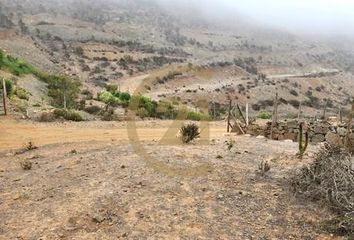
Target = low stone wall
(319,131)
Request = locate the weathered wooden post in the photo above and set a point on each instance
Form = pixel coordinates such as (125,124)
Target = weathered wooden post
(350,122)
(275,114)
(64,101)
(300,105)
(229,116)
(325,110)
(340,115)
(247,115)
(276,106)
(4,95)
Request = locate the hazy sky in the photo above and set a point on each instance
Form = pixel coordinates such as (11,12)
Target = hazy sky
(312,16)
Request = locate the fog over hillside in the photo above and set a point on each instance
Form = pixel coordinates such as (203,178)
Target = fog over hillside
(324,17)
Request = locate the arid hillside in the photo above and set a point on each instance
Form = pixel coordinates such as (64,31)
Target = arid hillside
(173,57)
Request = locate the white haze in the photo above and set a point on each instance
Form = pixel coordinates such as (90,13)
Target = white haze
(325,17)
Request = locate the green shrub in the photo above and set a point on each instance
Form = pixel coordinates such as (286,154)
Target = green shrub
(264,115)
(196,116)
(146,103)
(109,98)
(68,115)
(74,116)
(124,96)
(189,132)
(165,110)
(22,94)
(143,113)
(15,65)
(112,88)
(63,90)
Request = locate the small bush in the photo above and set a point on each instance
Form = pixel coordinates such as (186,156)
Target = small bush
(74,116)
(30,146)
(264,115)
(26,165)
(22,94)
(189,132)
(142,113)
(294,93)
(264,167)
(195,116)
(68,115)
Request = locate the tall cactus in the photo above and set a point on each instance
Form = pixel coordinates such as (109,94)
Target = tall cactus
(302,145)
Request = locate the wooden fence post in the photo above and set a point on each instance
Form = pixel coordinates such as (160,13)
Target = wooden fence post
(340,115)
(350,122)
(275,114)
(4,95)
(247,115)
(229,116)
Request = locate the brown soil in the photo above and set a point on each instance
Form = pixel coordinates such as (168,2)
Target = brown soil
(88,182)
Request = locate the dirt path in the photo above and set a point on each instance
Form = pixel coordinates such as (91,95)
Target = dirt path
(131,84)
(15,134)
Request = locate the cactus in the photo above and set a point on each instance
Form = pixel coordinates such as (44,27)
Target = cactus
(302,145)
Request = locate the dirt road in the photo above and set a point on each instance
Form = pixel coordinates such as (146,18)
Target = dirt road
(88,182)
(15,134)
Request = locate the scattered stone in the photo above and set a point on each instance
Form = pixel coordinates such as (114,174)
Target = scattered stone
(26,165)
(220,196)
(98,218)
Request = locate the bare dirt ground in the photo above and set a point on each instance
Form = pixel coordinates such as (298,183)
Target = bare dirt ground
(105,190)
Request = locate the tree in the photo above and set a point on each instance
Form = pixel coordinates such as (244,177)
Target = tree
(64,91)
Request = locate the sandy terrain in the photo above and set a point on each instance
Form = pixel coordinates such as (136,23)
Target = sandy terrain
(106,190)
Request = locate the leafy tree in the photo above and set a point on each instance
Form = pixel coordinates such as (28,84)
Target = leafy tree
(63,90)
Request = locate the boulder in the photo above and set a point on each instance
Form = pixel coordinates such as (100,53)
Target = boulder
(342,131)
(318,138)
(290,136)
(334,139)
(321,129)
(293,124)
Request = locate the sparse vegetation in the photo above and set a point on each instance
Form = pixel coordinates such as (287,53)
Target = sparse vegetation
(30,146)
(22,94)
(14,65)
(330,180)
(230,144)
(26,165)
(189,132)
(70,115)
(264,167)
(264,115)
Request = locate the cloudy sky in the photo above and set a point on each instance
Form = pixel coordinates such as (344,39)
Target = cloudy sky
(312,16)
